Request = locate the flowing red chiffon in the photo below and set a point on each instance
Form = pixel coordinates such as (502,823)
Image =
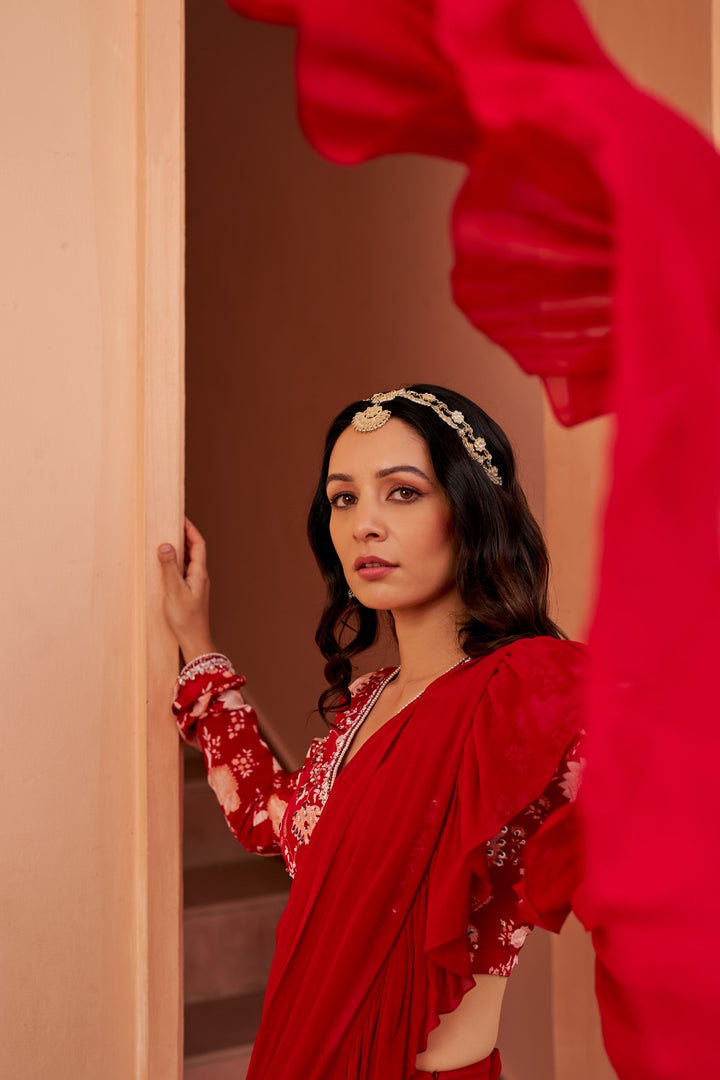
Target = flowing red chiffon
(587,242)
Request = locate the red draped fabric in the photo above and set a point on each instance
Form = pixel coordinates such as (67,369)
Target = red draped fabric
(587,242)
(372,946)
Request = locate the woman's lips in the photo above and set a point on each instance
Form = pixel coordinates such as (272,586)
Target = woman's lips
(370,567)
(372,571)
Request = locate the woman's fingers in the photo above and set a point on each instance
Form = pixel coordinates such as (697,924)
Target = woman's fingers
(192,533)
(187,594)
(194,577)
(196,550)
(167,555)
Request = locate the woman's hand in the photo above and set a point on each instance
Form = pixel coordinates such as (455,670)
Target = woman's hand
(187,597)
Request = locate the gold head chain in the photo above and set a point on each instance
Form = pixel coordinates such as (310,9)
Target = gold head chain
(375,416)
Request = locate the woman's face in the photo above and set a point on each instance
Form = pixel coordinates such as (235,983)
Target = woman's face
(390,520)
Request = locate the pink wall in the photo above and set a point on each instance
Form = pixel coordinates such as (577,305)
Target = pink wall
(89,320)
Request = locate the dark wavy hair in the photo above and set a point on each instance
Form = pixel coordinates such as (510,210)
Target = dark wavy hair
(501,558)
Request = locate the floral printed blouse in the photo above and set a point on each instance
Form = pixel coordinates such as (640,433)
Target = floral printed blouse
(274,812)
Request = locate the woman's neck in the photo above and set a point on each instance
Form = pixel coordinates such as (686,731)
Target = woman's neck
(428,640)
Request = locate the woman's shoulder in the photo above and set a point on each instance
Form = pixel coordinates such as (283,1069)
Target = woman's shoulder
(544,659)
(527,715)
(540,682)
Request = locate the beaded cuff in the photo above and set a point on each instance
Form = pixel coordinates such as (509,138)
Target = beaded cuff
(204,665)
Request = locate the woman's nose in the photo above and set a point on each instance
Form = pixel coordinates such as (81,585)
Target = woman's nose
(368,523)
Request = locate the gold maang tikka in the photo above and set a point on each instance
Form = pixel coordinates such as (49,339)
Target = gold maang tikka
(375,416)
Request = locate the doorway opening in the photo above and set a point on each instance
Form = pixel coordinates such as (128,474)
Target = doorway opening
(307,286)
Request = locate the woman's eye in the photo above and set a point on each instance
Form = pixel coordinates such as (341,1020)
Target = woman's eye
(405,494)
(342,499)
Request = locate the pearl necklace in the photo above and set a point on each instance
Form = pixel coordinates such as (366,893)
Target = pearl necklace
(347,736)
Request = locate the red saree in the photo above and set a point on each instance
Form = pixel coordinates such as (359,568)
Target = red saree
(372,945)
(586,237)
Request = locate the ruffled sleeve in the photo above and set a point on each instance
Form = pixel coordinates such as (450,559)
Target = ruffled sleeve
(499,925)
(524,723)
(553,870)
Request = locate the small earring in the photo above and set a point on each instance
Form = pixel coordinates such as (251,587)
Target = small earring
(351,595)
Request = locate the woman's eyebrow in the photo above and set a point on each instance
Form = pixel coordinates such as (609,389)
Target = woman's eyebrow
(381,473)
(402,468)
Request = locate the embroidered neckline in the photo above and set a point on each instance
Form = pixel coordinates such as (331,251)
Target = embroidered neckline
(315,789)
(346,738)
(344,741)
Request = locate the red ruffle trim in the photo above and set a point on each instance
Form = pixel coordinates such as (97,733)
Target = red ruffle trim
(487,84)
(554,862)
(528,716)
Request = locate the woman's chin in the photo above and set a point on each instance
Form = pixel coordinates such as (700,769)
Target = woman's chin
(396,602)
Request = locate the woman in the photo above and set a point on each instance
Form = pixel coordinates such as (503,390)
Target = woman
(405,829)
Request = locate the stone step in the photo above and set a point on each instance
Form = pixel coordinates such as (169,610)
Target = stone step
(231,912)
(206,836)
(219,1036)
(223,1065)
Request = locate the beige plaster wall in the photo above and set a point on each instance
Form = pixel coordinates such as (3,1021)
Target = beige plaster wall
(89,860)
